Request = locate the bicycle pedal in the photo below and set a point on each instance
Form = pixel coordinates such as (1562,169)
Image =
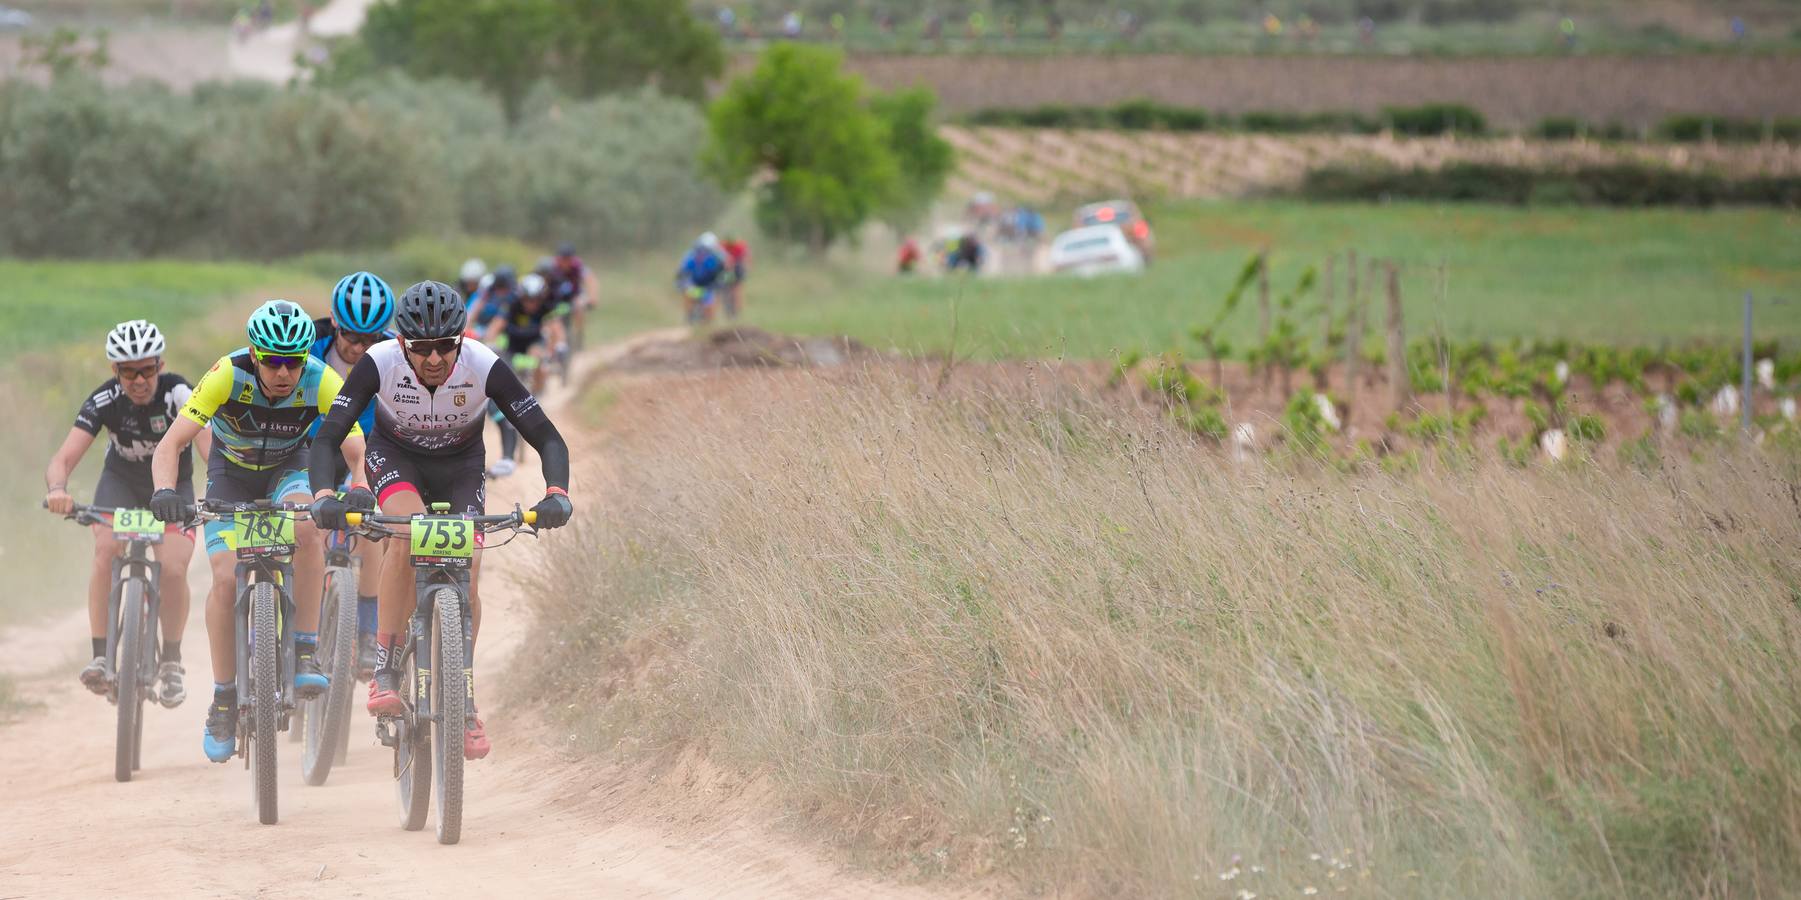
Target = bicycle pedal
(385,733)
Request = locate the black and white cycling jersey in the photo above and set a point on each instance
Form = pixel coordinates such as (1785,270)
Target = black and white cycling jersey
(442,421)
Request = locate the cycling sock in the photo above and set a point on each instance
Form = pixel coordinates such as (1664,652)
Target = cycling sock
(305,642)
(172,651)
(99,646)
(225,694)
(386,646)
(365,615)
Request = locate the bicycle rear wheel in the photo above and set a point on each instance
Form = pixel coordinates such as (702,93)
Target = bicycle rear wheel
(450,704)
(412,749)
(328,715)
(265,674)
(129,679)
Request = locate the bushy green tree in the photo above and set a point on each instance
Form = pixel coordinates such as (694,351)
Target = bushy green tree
(925,160)
(586,46)
(800,129)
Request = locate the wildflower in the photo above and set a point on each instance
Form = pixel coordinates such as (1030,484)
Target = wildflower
(1309,891)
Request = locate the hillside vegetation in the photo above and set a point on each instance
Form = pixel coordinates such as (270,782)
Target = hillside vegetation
(1000,628)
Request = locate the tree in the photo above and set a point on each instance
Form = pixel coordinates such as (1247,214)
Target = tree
(586,46)
(799,128)
(924,159)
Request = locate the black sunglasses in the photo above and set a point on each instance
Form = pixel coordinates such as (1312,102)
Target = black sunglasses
(361,338)
(425,347)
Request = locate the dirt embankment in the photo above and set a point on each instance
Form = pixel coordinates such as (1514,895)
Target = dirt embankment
(1511,91)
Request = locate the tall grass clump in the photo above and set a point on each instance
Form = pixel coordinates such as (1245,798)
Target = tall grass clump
(1010,630)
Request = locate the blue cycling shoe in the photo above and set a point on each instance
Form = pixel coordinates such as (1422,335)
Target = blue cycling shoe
(220,739)
(309,682)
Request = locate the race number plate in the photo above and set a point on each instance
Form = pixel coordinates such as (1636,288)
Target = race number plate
(443,541)
(137,525)
(262,533)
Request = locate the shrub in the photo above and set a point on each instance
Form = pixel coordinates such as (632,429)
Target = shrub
(1435,118)
(1692,128)
(244,169)
(1625,184)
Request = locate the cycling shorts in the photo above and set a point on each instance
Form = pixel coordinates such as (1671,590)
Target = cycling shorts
(232,483)
(129,486)
(459,479)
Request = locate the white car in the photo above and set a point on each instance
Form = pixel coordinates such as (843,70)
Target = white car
(1095,250)
(14,19)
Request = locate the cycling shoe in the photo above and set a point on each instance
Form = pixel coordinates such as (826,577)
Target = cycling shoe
(220,739)
(384,694)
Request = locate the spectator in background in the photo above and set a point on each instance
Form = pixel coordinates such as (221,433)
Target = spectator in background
(792,25)
(728,23)
(1739,32)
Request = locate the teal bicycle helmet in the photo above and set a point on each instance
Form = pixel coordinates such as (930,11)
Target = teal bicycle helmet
(280,326)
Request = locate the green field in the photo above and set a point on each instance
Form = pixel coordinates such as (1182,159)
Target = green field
(1638,277)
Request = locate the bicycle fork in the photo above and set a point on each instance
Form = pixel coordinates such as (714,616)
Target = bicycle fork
(134,564)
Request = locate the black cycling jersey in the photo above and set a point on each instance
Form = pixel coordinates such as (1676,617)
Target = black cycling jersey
(443,421)
(136,430)
(524,327)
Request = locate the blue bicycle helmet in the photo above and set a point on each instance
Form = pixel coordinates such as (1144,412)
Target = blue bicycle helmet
(363,303)
(280,326)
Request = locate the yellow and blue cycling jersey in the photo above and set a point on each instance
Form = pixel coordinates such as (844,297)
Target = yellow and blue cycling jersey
(251,430)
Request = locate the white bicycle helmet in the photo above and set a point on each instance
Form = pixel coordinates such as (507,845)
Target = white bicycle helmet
(473,269)
(134,340)
(533,285)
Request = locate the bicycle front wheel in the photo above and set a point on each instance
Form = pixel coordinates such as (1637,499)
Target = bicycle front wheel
(265,674)
(450,703)
(328,715)
(129,678)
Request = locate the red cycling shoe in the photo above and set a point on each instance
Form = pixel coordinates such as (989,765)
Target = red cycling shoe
(384,694)
(475,741)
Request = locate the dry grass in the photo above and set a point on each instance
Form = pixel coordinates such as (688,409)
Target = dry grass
(1005,629)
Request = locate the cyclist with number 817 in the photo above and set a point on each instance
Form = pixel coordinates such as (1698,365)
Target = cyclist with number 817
(430,390)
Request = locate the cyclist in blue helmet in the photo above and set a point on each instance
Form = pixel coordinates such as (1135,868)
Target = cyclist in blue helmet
(362,308)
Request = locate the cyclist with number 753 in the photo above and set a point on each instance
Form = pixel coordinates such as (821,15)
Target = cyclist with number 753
(430,389)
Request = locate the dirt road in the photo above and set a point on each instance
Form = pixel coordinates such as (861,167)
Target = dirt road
(535,823)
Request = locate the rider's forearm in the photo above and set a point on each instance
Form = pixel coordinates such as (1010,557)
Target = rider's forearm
(353,456)
(322,460)
(165,464)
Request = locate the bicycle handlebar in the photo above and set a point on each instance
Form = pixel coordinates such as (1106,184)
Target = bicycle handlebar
(84,514)
(516,517)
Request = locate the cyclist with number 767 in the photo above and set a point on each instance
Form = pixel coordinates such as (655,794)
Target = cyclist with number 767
(431,390)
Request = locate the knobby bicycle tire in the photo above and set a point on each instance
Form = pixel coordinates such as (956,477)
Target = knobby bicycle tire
(265,675)
(450,699)
(128,676)
(328,715)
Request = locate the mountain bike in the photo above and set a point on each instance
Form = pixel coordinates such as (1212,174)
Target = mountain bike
(133,645)
(428,736)
(262,535)
(325,719)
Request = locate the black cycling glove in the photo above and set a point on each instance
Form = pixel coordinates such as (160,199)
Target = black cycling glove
(166,505)
(328,512)
(553,511)
(360,499)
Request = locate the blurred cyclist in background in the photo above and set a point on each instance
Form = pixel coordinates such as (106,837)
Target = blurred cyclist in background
(737,254)
(470,277)
(701,273)
(574,284)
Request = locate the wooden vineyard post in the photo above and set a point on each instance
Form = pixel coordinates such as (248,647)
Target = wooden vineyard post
(1325,317)
(1397,342)
(1353,338)
(1263,310)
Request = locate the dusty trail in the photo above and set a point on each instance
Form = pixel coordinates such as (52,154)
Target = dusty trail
(535,824)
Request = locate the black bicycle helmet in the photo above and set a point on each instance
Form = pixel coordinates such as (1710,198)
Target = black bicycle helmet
(566,248)
(506,276)
(430,309)
(547,266)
